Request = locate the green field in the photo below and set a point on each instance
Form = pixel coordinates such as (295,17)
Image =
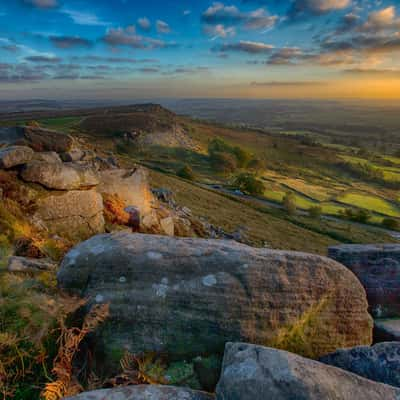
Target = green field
(371,203)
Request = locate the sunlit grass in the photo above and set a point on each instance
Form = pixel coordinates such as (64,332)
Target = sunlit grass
(371,203)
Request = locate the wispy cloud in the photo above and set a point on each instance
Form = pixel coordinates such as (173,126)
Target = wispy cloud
(85,18)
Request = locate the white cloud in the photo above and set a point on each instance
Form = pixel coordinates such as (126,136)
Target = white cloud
(162,27)
(85,18)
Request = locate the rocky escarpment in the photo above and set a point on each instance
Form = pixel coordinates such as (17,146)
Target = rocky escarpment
(257,373)
(190,296)
(73,183)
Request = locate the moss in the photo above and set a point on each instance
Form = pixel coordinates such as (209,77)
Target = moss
(300,336)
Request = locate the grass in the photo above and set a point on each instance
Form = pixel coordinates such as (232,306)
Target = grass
(62,123)
(371,203)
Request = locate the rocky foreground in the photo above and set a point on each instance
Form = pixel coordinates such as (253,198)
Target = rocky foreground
(248,323)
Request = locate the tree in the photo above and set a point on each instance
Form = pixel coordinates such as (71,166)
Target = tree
(289,203)
(219,145)
(223,162)
(315,212)
(186,172)
(256,165)
(249,184)
(242,156)
(391,223)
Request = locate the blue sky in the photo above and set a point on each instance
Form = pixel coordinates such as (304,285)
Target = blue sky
(198,48)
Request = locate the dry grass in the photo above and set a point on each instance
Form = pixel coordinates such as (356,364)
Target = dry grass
(231,215)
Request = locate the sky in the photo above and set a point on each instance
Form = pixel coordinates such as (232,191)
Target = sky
(122,49)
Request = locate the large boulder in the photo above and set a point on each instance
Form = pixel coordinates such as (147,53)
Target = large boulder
(380,363)
(190,296)
(378,269)
(41,139)
(252,372)
(60,176)
(75,213)
(15,155)
(144,392)
(131,186)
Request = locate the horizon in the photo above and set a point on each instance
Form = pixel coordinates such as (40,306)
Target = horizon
(243,49)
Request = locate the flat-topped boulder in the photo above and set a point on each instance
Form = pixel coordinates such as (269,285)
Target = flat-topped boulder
(187,296)
(378,269)
(131,186)
(76,213)
(380,363)
(60,176)
(41,139)
(252,372)
(144,392)
(15,155)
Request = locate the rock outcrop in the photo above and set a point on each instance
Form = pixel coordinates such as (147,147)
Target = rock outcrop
(190,296)
(252,372)
(131,186)
(144,392)
(76,213)
(378,269)
(41,139)
(48,157)
(15,155)
(380,363)
(30,265)
(60,176)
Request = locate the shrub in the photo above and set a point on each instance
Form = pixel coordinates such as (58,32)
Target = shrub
(242,156)
(391,223)
(186,172)
(315,212)
(361,216)
(289,203)
(256,165)
(218,146)
(223,162)
(249,184)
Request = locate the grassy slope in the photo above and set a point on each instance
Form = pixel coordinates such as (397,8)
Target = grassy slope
(264,225)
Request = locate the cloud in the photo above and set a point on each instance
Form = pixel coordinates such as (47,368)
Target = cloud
(381,20)
(162,27)
(128,37)
(219,14)
(246,47)
(316,7)
(123,37)
(219,31)
(116,60)
(42,3)
(289,83)
(68,42)
(186,12)
(152,70)
(144,23)
(383,73)
(84,18)
(43,59)
(11,48)
(285,56)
